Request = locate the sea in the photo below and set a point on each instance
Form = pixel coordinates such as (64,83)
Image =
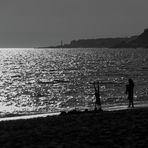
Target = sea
(45,80)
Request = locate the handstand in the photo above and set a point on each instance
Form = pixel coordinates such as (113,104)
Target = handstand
(130,92)
(97,95)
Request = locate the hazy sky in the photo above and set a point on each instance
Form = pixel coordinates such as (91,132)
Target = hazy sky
(32,23)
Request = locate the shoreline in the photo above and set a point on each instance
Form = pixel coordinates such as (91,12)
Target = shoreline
(122,128)
(44,115)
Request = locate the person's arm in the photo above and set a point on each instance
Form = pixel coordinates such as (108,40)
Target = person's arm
(126,91)
(98,87)
(95,87)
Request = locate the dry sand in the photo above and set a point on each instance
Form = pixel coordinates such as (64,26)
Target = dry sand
(124,128)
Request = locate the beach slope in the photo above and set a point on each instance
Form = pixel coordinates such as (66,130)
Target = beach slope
(124,128)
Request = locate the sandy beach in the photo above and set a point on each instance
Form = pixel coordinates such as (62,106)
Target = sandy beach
(122,128)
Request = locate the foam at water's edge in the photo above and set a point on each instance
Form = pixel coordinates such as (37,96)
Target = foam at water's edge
(28,116)
(124,107)
(111,108)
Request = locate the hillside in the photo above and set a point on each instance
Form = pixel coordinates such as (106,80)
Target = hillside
(142,40)
(127,42)
(137,42)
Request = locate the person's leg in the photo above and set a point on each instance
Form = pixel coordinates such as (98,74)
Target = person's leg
(100,108)
(95,106)
(129,103)
(132,103)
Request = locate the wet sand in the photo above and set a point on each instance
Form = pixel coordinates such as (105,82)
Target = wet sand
(122,128)
(105,108)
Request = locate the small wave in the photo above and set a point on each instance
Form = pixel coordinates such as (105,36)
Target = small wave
(16,76)
(46,81)
(61,81)
(109,82)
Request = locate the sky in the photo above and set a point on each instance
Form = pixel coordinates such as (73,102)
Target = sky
(37,23)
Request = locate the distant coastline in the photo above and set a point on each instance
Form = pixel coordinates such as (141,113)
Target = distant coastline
(138,41)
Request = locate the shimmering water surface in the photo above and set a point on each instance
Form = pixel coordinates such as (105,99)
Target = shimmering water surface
(50,80)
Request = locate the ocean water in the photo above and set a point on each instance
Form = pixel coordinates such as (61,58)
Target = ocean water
(36,81)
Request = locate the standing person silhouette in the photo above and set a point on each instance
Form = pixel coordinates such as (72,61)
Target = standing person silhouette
(97,95)
(130,92)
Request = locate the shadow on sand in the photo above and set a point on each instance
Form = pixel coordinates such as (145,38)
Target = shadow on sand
(76,112)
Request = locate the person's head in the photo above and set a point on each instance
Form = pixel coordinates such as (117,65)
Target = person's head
(130,81)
